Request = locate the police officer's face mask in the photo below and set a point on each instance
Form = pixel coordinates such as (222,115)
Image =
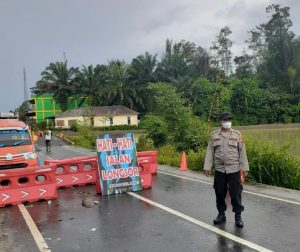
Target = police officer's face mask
(226,125)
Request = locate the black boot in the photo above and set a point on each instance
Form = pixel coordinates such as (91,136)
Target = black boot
(238,220)
(221,218)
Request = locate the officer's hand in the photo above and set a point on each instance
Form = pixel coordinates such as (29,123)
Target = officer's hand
(207,173)
(245,173)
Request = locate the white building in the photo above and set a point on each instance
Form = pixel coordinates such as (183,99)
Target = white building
(97,116)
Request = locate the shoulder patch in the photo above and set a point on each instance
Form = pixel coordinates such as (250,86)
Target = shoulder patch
(236,132)
(239,134)
(215,132)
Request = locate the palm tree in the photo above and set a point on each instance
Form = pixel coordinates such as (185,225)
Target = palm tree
(175,64)
(59,80)
(141,73)
(91,82)
(141,70)
(119,90)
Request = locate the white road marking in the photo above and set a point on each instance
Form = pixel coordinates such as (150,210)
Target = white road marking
(178,176)
(274,198)
(203,225)
(40,242)
(245,191)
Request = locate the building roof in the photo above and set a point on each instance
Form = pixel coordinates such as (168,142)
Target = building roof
(98,111)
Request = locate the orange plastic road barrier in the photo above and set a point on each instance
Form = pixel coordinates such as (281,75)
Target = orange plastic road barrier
(183,164)
(27,185)
(75,171)
(152,155)
(145,173)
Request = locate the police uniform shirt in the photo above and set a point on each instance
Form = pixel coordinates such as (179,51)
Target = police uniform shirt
(228,151)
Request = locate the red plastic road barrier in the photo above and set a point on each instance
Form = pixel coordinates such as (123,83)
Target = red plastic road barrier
(75,171)
(145,173)
(27,185)
(153,156)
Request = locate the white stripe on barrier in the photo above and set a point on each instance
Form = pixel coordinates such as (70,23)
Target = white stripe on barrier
(43,170)
(202,224)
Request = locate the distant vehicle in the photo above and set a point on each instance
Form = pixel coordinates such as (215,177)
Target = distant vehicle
(16,145)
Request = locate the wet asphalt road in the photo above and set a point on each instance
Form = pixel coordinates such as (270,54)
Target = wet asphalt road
(125,223)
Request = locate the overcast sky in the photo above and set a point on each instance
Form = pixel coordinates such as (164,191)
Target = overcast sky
(34,33)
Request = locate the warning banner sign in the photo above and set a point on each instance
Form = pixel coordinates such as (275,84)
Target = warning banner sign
(117,163)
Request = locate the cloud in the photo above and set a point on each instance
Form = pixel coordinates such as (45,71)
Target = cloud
(35,33)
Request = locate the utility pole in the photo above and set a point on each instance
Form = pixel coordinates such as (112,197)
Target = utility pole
(25,85)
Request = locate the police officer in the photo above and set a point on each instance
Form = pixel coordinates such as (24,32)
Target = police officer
(227,150)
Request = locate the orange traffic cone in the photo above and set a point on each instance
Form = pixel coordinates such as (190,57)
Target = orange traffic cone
(183,165)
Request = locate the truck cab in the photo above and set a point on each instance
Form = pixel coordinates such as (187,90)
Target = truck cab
(16,145)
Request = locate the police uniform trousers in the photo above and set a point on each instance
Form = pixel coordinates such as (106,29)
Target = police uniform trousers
(231,182)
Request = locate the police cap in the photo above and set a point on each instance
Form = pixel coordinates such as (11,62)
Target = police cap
(225,116)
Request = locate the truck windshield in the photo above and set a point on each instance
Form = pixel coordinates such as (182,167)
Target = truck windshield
(14,138)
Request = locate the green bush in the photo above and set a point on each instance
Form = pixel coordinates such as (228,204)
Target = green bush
(86,137)
(75,126)
(168,155)
(144,144)
(273,166)
(119,127)
(195,160)
(157,129)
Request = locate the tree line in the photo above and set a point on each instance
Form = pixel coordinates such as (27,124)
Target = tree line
(260,86)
